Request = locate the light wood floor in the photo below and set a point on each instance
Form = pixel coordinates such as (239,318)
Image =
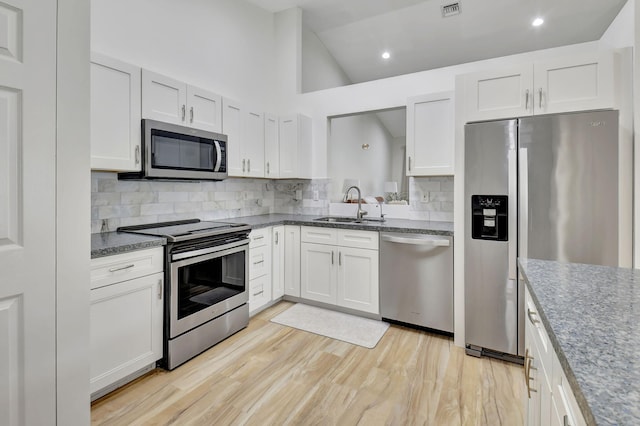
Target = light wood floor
(269,374)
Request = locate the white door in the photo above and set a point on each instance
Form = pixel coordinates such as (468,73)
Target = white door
(115,114)
(27,212)
(204,109)
(288,130)
(358,279)
(163,98)
(277,260)
(253,143)
(232,127)
(318,265)
(271,147)
(430,135)
(499,94)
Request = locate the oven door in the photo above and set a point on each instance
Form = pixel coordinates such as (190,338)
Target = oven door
(207,285)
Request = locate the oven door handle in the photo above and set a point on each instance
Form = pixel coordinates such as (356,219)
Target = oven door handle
(208,250)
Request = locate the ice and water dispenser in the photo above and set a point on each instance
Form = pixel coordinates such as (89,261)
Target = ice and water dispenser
(489,217)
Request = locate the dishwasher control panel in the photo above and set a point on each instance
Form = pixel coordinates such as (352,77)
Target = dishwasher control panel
(489,217)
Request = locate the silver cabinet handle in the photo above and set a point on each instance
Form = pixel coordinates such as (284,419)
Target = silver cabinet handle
(258,237)
(409,163)
(340,258)
(191,114)
(249,165)
(530,314)
(268,168)
(277,237)
(526,100)
(332,257)
(184,111)
(565,420)
(540,97)
(258,293)
(243,164)
(160,289)
(137,154)
(122,268)
(258,262)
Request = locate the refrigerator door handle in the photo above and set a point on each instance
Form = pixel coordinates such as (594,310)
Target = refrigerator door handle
(513,216)
(523,188)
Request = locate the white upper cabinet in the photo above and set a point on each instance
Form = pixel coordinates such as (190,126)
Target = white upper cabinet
(115,114)
(173,101)
(430,135)
(295,146)
(574,83)
(271,147)
(244,128)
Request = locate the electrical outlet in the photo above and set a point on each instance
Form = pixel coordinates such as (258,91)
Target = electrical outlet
(316,196)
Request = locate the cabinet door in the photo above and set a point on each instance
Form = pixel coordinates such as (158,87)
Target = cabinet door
(288,130)
(292,260)
(253,143)
(358,279)
(232,127)
(277,262)
(576,83)
(126,329)
(499,94)
(115,114)
(163,98)
(204,109)
(318,263)
(271,147)
(430,135)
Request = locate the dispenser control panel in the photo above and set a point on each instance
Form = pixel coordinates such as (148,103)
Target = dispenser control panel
(489,217)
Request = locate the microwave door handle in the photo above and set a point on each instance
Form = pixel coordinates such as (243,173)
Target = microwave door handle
(218,154)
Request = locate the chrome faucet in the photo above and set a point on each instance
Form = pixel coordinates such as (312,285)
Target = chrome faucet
(360,212)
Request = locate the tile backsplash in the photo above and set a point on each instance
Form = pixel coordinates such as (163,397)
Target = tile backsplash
(117,203)
(120,203)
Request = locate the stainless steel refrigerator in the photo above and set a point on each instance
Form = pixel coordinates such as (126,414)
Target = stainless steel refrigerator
(543,187)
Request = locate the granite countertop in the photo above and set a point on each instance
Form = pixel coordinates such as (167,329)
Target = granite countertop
(389,225)
(592,316)
(109,243)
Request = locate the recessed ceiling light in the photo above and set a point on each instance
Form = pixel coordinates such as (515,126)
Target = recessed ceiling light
(386,55)
(537,22)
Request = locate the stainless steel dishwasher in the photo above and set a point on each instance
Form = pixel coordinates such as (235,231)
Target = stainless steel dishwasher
(416,279)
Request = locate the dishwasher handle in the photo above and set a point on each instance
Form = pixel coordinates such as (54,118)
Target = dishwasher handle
(435,242)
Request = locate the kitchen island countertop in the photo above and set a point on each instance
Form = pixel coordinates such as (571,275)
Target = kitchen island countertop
(592,316)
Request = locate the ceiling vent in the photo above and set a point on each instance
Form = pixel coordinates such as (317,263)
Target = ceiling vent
(450,9)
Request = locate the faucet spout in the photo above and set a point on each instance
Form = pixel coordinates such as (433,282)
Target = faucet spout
(360,213)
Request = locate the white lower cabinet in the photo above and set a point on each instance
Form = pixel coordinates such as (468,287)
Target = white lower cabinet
(340,267)
(126,316)
(260,266)
(550,400)
(292,260)
(277,259)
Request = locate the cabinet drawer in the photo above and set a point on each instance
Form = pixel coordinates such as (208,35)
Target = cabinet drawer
(259,292)
(259,237)
(312,234)
(259,261)
(122,267)
(358,239)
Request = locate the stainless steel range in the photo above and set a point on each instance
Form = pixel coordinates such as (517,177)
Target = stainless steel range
(207,275)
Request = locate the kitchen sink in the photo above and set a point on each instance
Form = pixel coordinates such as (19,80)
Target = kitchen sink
(339,219)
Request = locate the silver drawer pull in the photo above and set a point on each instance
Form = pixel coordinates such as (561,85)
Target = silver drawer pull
(530,314)
(258,293)
(258,237)
(160,289)
(122,268)
(258,262)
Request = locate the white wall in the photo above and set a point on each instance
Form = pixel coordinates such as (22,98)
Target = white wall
(226,46)
(347,159)
(319,68)
(620,32)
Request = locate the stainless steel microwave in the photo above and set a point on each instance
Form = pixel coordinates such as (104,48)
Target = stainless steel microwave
(170,151)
